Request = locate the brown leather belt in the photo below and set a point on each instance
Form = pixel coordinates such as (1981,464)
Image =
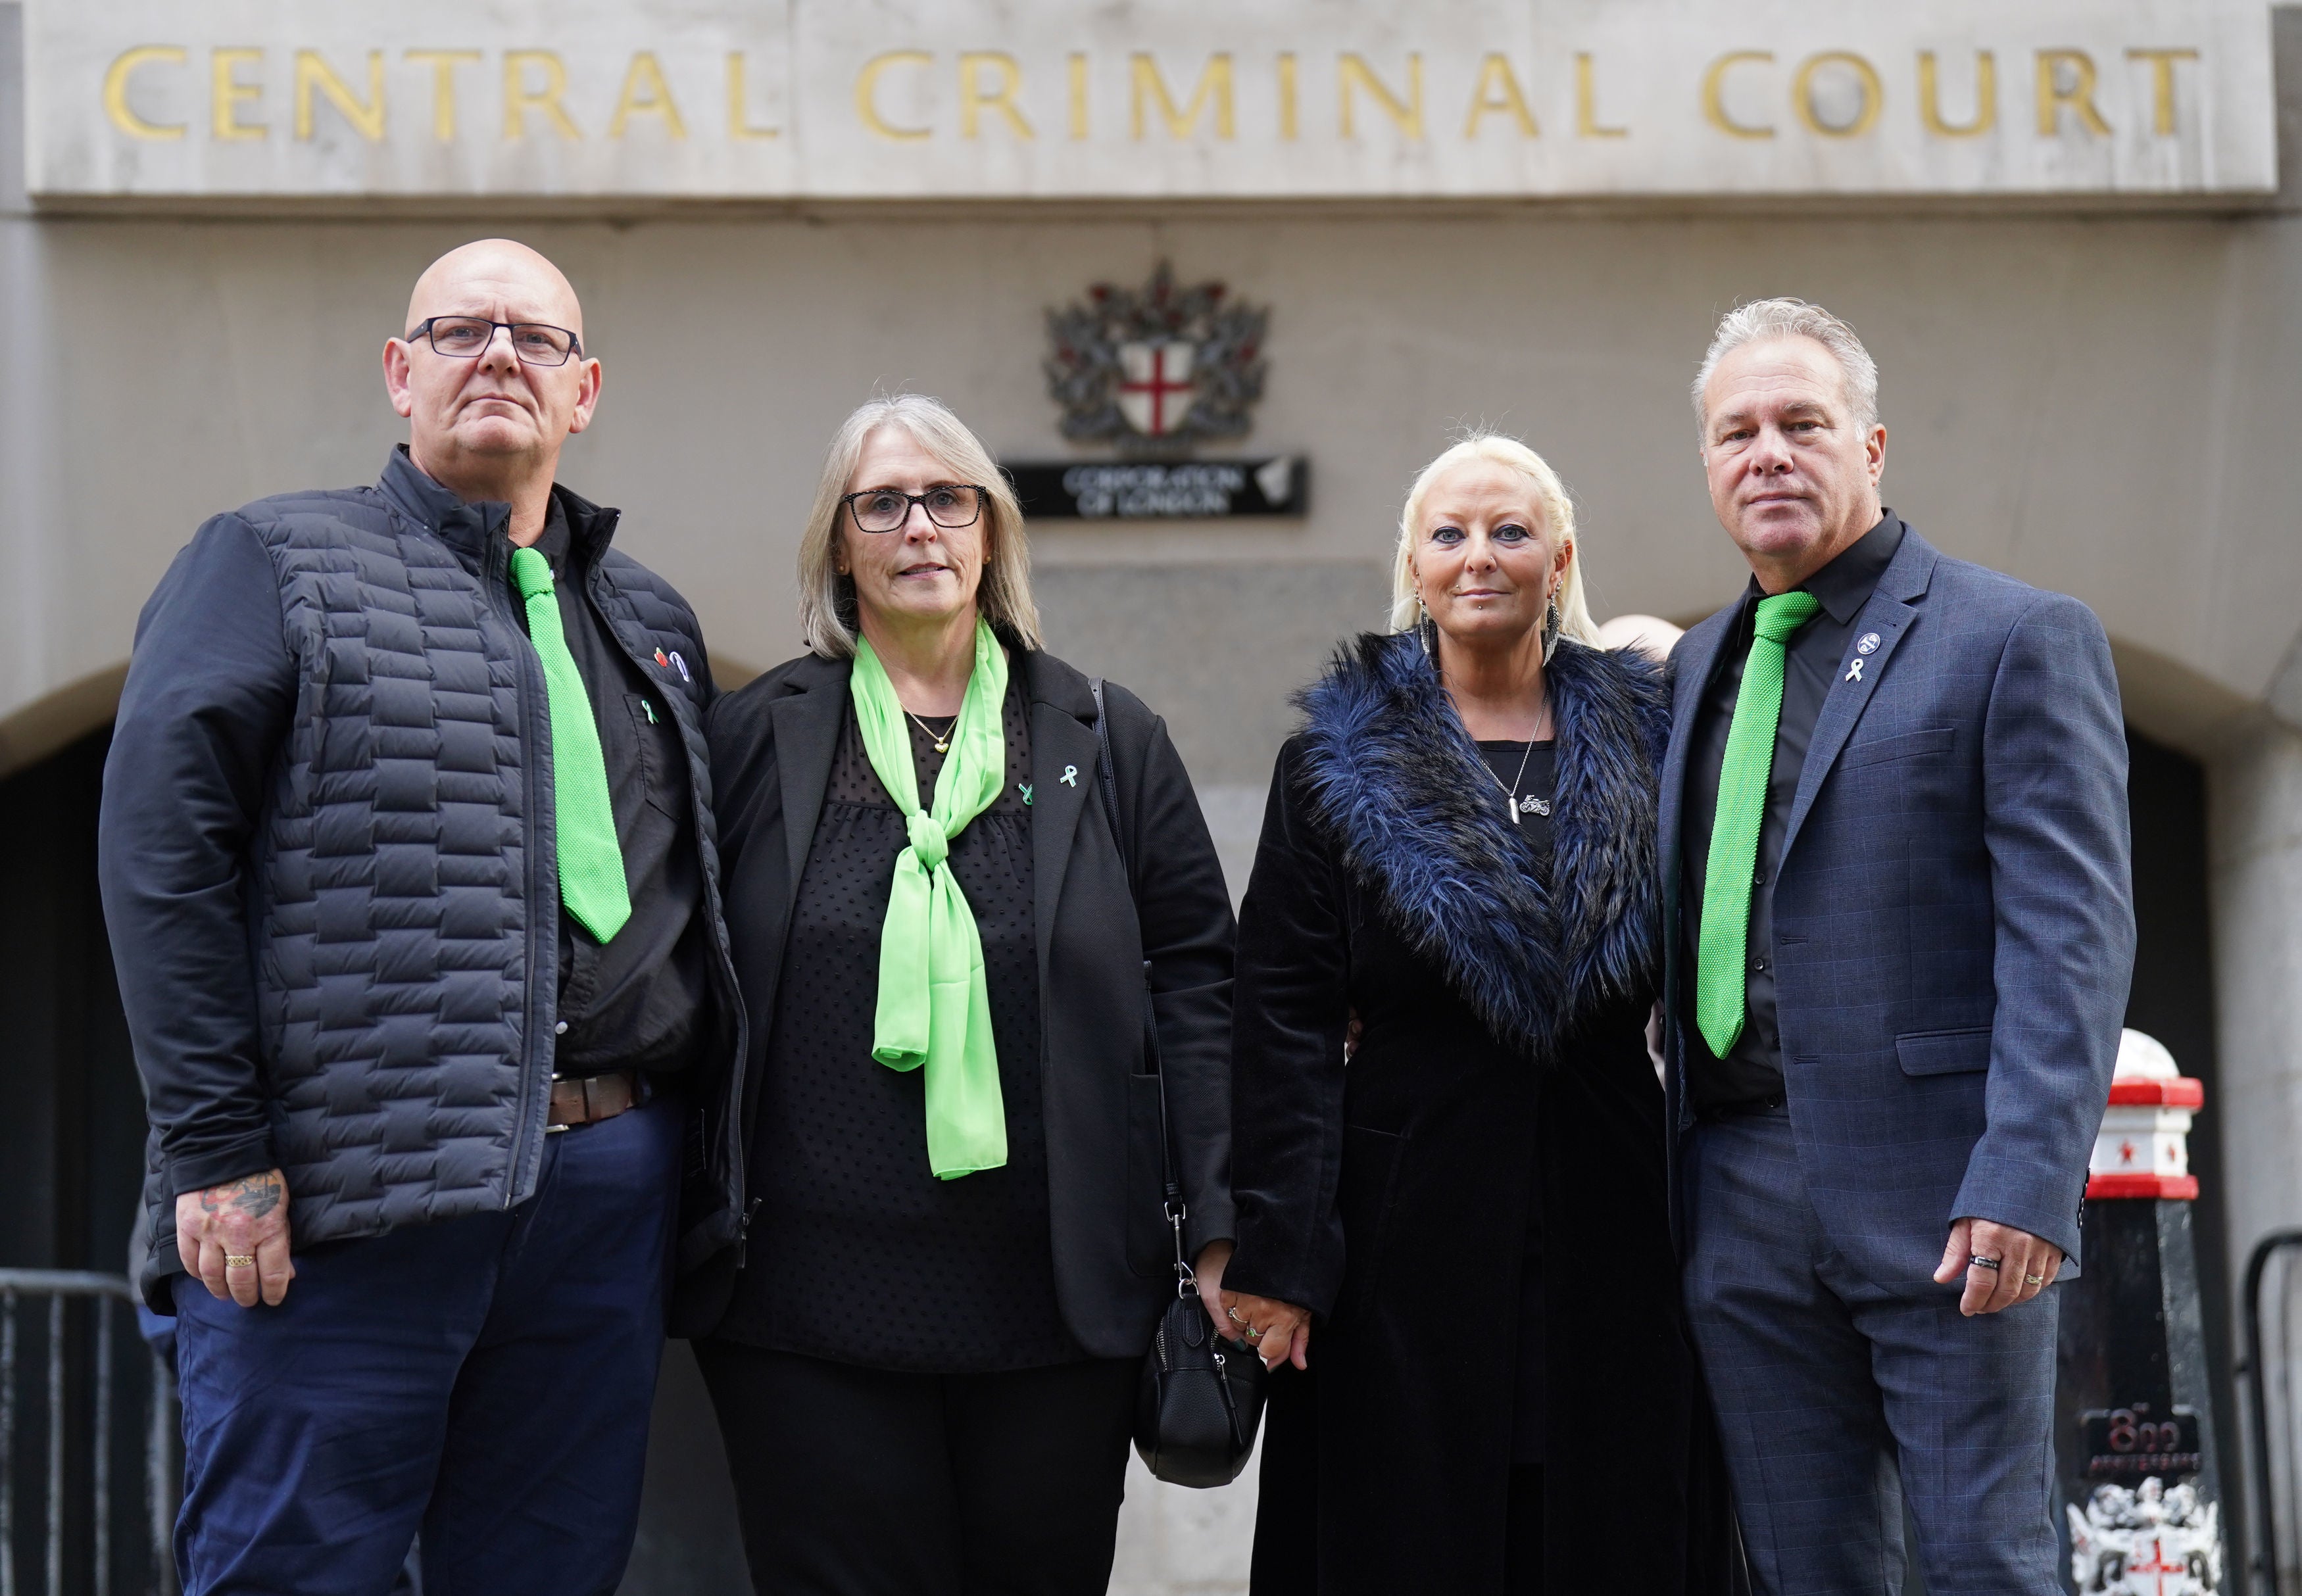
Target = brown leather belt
(587,1099)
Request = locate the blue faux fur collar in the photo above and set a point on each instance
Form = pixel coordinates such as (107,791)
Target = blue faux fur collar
(1397,782)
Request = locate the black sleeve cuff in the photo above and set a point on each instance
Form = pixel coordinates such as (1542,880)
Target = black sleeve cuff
(250,1155)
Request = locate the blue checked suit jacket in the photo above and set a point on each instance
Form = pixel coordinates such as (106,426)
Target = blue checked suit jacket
(1953,918)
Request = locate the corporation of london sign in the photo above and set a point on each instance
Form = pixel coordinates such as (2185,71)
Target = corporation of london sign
(1154,371)
(266,100)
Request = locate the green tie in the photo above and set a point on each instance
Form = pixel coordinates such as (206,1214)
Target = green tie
(591,862)
(1742,777)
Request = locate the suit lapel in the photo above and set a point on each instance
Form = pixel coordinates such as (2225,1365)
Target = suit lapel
(1888,614)
(1063,784)
(1696,661)
(807,737)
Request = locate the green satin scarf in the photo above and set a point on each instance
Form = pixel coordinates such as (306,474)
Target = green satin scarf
(934,1007)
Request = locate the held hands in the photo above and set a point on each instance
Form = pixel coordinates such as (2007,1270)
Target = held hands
(233,1237)
(2027,1265)
(1213,1258)
(1285,1328)
(1235,1313)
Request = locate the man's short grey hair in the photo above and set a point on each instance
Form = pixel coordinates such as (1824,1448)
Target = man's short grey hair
(1763,319)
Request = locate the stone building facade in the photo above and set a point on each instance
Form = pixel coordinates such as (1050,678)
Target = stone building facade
(2092,379)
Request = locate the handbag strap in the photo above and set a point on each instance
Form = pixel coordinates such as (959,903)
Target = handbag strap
(1187,1282)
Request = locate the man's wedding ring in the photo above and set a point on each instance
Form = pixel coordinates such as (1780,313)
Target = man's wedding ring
(238,1261)
(1977,1261)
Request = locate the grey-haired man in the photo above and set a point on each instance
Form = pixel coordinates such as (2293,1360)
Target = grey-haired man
(1900,935)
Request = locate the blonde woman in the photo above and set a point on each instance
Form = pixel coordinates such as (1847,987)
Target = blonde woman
(924,1350)
(1458,1243)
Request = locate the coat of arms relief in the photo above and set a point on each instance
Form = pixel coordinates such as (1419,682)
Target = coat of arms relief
(2149,1541)
(1157,369)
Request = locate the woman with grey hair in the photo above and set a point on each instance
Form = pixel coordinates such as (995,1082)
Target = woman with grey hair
(924,1350)
(1457,1241)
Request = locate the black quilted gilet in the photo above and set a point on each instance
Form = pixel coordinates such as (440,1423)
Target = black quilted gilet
(404,910)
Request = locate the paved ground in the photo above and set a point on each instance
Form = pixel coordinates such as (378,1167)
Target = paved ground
(1178,1542)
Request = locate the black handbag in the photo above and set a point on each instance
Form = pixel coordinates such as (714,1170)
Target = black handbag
(1201,1398)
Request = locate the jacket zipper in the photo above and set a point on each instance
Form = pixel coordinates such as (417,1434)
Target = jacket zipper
(531,692)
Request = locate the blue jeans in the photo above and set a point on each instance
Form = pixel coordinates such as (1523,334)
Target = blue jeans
(485,1379)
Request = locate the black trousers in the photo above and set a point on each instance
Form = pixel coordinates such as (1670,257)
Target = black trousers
(1522,1539)
(854,1482)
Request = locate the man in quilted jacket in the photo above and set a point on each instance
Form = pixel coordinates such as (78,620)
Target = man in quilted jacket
(408,864)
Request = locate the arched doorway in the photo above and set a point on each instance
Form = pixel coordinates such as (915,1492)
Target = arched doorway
(71,1144)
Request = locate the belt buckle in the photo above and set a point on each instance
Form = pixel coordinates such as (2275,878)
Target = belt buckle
(638,1090)
(551,1129)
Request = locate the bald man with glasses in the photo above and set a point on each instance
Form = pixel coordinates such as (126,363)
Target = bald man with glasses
(413,892)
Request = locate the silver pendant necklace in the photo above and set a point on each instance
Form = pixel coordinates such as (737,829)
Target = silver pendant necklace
(941,739)
(1512,802)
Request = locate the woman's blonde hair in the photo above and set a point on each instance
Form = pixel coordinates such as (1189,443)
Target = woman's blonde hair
(1557,515)
(827,599)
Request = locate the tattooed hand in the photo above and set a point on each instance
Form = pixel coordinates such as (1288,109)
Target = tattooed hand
(246,1218)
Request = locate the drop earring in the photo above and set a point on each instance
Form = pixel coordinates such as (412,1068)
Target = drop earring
(1550,622)
(1426,630)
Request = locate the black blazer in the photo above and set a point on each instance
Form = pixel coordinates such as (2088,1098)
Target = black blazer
(772,744)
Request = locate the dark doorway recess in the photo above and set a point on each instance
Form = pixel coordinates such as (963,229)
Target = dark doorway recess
(72,1162)
(2173,1000)
(71,1145)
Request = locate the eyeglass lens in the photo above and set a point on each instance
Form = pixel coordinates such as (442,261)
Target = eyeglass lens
(949,507)
(466,337)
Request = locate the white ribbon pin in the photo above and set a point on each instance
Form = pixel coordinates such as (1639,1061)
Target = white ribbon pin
(1071,776)
(1854,671)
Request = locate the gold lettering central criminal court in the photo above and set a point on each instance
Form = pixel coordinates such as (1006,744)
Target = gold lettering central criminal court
(229,94)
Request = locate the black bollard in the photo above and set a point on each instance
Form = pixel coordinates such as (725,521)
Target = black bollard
(2134,1437)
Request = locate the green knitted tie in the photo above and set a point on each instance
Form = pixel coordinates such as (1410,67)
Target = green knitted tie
(591,860)
(1743,778)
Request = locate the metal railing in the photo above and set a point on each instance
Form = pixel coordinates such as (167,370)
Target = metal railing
(83,1354)
(2274,1371)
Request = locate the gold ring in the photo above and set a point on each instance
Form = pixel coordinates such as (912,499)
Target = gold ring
(238,1261)
(2034,1279)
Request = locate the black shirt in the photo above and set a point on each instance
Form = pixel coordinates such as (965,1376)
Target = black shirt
(858,1252)
(1751,1074)
(637,1002)
(1532,772)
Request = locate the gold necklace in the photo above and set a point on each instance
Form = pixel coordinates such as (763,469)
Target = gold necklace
(941,739)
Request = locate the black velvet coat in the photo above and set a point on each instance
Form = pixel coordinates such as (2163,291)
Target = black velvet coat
(1503,1000)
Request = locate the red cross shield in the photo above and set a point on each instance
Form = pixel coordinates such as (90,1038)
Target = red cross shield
(1155,387)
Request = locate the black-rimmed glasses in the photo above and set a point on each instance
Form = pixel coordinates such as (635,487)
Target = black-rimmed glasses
(886,509)
(467,337)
